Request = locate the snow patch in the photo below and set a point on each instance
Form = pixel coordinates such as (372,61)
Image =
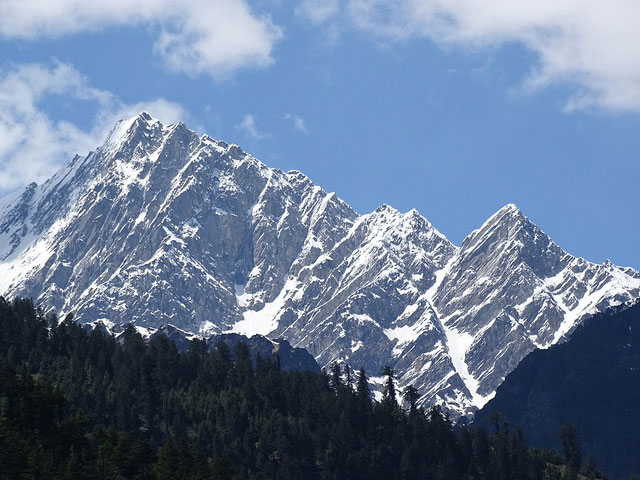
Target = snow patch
(263,321)
(145,331)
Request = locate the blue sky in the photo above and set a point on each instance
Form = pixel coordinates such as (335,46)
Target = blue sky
(442,106)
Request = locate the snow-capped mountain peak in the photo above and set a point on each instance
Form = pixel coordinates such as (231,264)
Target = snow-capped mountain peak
(160,225)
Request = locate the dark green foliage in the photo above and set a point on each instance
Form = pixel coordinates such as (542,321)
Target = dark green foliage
(362,387)
(593,381)
(572,450)
(389,385)
(410,396)
(78,405)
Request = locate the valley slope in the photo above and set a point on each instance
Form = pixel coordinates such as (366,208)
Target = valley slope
(592,381)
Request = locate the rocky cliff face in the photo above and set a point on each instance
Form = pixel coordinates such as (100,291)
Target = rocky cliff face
(160,225)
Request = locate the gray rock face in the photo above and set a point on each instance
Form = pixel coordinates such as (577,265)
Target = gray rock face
(280,350)
(260,347)
(159,225)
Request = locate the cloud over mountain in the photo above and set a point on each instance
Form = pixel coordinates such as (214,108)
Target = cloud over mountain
(34,144)
(193,36)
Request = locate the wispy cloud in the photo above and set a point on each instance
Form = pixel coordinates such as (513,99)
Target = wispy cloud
(318,11)
(589,45)
(298,123)
(216,37)
(250,129)
(32,144)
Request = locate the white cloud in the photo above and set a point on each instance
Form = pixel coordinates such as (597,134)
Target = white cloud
(318,11)
(32,144)
(216,37)
(249,127)
(298,123)
(591,45)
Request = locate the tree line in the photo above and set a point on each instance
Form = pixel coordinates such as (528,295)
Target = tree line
(78,404)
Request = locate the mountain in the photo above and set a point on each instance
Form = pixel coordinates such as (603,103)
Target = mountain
(593,381)
(289,358)
(159,225)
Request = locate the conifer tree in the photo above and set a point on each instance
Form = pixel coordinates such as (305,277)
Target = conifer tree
(572,450)
(348,381)
(389,385)
(411,395)
(362,386)
(336,381)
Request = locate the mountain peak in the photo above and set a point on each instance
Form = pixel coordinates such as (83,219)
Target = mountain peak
(510,207)
(510,233)
(126,129)
(140,121)
(144,115)
(385,208)
(507,221)
(159,225)
(509,212)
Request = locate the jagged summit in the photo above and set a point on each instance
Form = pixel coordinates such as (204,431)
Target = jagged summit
(503,222)
(162,225)
(509,209)
(508,214)
(145,116)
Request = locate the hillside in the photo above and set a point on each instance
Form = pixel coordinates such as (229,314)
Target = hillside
(592,381)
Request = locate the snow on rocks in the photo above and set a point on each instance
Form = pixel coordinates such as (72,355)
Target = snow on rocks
(160,225)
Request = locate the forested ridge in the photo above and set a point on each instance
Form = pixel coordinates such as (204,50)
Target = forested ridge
(83,405)
(593,381)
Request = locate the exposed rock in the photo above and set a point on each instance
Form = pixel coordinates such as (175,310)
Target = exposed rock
(161,226)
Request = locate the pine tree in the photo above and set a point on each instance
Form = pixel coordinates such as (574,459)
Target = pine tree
(363,393)
(335,377)
(348,381)
(389,385)
(411,396)
(572,450)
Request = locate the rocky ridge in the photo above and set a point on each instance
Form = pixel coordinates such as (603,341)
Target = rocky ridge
(159,225)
